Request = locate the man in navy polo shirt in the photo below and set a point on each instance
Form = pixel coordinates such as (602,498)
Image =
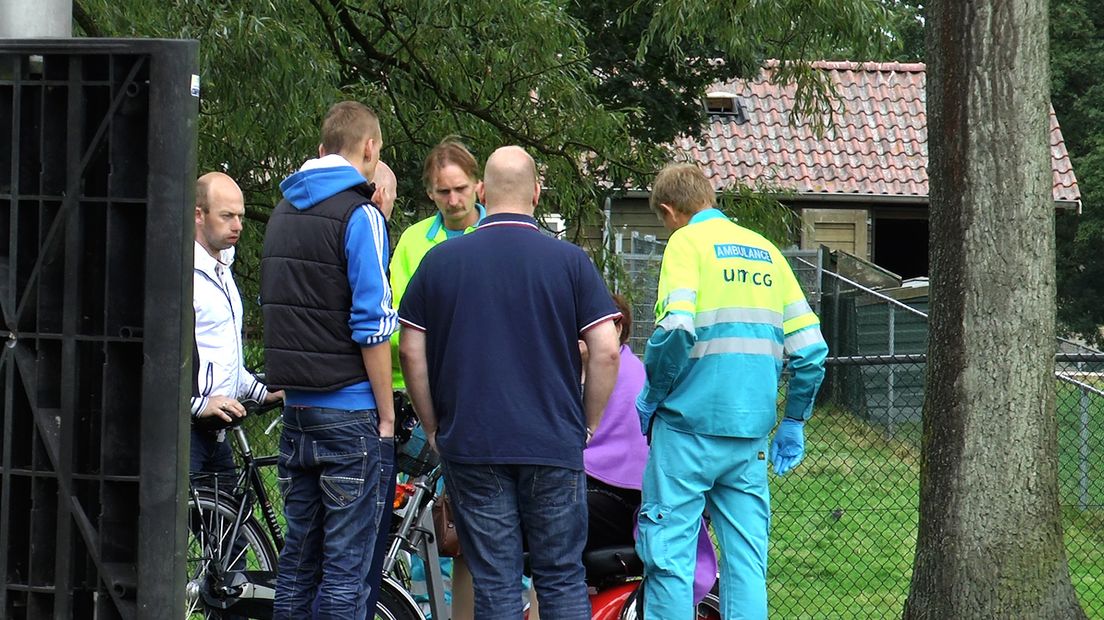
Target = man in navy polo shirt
(489,348)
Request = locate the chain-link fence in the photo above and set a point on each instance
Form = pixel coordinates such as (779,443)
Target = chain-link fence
(639,258)
(844,527)
(844,523)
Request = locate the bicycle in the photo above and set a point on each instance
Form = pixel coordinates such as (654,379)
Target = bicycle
(232,556)
(414,534)
(231,563)
(613,574)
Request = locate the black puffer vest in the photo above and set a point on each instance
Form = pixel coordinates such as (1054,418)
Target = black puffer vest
(306,297)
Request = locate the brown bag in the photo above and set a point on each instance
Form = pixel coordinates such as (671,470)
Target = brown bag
(444,528)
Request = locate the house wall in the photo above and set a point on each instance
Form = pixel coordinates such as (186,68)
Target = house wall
(846,229)
(839,226)
(634,214)
(852,227)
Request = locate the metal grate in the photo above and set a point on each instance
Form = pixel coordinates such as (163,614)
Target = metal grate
(96,175)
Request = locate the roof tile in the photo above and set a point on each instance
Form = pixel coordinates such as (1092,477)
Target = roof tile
(878,145)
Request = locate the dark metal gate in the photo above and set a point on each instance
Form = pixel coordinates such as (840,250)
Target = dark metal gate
(97,164)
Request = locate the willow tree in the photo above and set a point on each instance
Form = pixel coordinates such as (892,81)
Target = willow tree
(569,80)
(990,538)
(594,90)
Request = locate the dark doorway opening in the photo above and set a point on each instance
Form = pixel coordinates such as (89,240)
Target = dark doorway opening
(901,246)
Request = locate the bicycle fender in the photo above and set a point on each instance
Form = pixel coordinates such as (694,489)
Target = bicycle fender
(390,584)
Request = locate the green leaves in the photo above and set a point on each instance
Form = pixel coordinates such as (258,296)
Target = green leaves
(744,33)
(595,91)
(1077,50)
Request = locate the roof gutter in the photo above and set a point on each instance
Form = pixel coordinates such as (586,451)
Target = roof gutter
(883,199)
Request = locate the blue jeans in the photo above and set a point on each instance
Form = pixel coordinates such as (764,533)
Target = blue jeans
(494,505)
(375,572)
(332,477)
(210,453)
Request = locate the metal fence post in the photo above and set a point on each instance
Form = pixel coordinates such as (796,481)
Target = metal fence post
(1083,449)
(891,387)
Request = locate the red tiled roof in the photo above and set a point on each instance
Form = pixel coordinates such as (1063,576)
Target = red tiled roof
(878,145)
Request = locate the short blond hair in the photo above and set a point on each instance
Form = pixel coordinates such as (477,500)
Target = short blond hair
(683,187)
(346,125)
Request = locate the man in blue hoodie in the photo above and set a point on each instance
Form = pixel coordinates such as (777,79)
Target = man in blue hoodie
(328,319)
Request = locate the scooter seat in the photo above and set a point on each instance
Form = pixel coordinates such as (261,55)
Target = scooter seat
(609,562)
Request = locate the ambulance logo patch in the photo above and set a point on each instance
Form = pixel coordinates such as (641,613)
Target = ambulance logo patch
(746,252)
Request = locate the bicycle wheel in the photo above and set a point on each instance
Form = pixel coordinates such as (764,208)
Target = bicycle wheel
(214,559)
(396,604)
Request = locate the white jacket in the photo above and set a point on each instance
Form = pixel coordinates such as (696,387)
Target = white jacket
(218,333)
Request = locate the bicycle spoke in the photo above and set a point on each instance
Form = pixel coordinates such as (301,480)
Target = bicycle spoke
(238,557)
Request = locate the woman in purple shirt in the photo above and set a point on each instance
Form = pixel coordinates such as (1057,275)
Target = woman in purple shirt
(614,460)
(615,456)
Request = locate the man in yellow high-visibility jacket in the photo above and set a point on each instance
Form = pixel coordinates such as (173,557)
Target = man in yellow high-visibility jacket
(729,313)
(451,177)
(452,181)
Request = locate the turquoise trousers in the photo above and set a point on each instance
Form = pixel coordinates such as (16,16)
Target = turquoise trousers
(687,473)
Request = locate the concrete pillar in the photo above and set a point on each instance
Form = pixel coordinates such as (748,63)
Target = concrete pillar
(29,19)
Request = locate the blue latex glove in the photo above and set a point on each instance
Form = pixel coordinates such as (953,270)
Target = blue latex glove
(788,447)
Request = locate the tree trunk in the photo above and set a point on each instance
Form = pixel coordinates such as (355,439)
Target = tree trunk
(990,540)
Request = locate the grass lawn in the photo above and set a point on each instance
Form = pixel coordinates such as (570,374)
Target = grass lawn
(844,524)
(844,527)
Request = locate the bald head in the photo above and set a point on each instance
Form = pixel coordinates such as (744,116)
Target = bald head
(219,211)
(215,187)
(510,182)
(386,189)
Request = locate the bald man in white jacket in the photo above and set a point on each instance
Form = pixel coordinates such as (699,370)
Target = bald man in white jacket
(221,380)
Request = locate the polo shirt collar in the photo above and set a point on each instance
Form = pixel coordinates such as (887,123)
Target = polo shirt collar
(509,219)
(708,214)
(439,222)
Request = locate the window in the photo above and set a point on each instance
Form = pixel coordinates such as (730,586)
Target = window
(723,103)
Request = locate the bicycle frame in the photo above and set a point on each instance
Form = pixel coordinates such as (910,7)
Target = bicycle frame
(415,534)
(251,474)
(253,591)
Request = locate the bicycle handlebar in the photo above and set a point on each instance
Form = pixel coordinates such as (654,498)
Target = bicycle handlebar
(252,408)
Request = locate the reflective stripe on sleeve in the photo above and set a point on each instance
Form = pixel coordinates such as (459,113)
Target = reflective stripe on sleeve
(796,309)
(677,320)
(792,326)
(753,346)
(681,294)
(803,338)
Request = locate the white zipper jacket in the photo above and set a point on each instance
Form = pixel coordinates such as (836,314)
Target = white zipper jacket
(218,333)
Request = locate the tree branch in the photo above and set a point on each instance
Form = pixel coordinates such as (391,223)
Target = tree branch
(85,21)
(331,34)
